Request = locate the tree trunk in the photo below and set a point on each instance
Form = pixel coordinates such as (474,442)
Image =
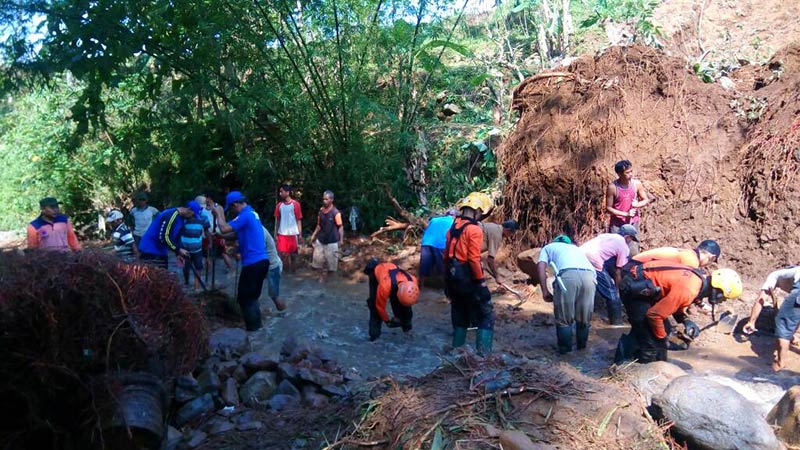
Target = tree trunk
(566,26)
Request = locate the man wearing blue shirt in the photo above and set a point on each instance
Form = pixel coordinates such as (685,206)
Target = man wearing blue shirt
(255,260)
(164,235)
(434,240)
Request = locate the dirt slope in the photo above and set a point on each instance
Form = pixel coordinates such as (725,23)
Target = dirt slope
(715,173)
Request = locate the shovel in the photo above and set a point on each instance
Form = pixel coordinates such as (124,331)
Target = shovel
(727,322)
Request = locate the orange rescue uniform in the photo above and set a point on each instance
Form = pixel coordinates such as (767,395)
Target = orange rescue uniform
(382,274)
(685,256)
(468,248)
(679,288)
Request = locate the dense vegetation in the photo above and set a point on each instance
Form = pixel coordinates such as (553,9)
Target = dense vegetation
(106,97)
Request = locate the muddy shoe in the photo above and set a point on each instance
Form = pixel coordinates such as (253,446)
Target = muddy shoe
(280,305)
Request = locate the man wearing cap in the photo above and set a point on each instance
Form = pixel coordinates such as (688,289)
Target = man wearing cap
(141,216)
(432,246)
(121,236)
(707,252)
(164,234)
(255,259)
(608,253)
(393,285)
(573,290)
(52,230)
(493,234)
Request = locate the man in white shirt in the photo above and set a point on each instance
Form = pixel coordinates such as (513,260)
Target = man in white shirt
(788,317)
(141,216)
(288,226)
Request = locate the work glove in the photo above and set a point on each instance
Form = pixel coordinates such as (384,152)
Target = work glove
(690,329)
(484,295)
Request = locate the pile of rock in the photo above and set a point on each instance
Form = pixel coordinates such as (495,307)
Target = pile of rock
(223,394)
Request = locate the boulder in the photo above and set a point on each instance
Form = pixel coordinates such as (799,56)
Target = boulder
(172,439)
(318,377)
(252,425)
(764,395)
(279,402)
(240,374)
(651,379)
(527,261)
(230,394)
(194,409)
(786,415)
(219,426)
(335,390)
(256,361)
(196,438)
(295,351)
(228,340)
(710,416)
(186,388)
(516,440)
(287,371)
(209,382)
(451,109)
(287,388)
(226,369)
(258,388)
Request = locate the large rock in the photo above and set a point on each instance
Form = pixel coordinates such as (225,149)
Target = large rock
(710,416)
(209,382)
(764,395)
(228,340)
(280,402)
(527,261)
(651,379)
(287,388)
(257,362)
(318,377)
(786,415)
(229,394)
(194,409)
(258,388)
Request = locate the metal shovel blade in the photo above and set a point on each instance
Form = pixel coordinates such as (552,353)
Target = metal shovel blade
(727,322)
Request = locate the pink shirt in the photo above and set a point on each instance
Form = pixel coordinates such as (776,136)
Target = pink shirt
(623,201)
(604,247)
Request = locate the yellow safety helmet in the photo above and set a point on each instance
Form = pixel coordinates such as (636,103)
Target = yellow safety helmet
(476,201)
(727,281)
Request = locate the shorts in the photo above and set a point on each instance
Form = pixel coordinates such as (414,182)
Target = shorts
(430,261)
(325,256)
(788,316)
(286,243)
(274,282)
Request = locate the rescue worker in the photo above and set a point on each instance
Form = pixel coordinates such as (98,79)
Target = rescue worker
(573,290)
(707,252)
(788,317)
(608,253)
(656,290)
(390,284)
(465,286)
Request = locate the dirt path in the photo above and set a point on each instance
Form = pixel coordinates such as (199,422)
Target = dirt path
(333,316)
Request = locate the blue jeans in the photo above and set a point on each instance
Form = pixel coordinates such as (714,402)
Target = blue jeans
(788,316)
(607,290)
(274,282)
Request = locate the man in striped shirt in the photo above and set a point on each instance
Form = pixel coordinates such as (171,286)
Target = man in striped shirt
(124,244)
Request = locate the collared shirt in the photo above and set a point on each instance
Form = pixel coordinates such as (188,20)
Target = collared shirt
(604,247)
(249,233)
(55,235)
(436,234)
(564,256)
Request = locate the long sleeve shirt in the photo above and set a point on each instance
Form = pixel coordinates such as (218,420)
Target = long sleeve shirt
(55,235)
(679,288)
(164,233)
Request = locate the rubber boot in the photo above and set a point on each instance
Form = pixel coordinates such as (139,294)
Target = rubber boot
(483,341)
(582,334)
(614,313)
(459,336)
(564,336)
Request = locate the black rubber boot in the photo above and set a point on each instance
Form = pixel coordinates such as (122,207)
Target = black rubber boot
(582,334)
(564,337)
(483,341)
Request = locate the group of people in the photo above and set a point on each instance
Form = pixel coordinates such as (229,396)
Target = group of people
(650,287)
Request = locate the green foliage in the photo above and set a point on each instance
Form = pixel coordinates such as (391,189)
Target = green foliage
(638,13)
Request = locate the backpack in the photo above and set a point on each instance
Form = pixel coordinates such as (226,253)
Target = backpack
(635,286)
(457,274)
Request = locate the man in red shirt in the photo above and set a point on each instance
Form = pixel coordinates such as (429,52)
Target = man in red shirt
(288,226)
(657,290)
(624,197)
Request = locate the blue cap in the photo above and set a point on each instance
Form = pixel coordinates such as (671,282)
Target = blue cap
(196,208)
(233,197)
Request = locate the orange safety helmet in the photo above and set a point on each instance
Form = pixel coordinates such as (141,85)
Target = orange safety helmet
(407,293)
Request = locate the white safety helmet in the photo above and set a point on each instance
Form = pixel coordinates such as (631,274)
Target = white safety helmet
(113,215)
